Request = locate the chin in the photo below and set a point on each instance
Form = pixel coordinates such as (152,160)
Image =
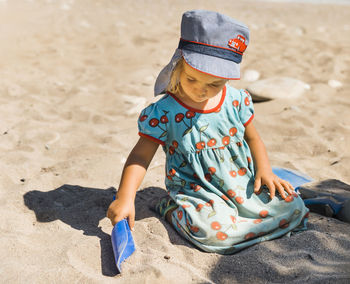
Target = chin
(200,100)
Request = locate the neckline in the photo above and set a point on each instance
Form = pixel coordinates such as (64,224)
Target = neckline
(214,109)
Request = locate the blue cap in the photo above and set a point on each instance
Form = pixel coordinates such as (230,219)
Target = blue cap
(211,43)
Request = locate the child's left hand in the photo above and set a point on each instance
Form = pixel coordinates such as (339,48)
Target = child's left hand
(273,182)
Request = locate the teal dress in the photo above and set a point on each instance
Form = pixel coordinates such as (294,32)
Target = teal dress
(210,174)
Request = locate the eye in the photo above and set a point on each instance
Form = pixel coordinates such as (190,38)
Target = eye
(190,79)
(215,85)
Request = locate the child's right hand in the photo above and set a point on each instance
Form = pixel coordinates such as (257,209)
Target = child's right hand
(133,173)
(120,209)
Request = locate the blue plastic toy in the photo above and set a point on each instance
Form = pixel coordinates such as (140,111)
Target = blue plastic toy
(295,178)
(122,242)
(331,200)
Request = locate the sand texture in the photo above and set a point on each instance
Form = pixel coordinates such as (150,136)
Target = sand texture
(74,76)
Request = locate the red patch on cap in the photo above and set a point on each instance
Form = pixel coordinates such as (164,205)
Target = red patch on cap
(238,43)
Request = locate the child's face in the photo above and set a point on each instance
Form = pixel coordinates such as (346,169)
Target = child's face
(197,86)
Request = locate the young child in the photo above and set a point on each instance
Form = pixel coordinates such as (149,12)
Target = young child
(222,192)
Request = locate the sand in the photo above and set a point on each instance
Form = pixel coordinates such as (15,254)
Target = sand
(73,78)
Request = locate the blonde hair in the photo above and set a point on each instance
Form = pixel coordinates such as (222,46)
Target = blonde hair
(174,84)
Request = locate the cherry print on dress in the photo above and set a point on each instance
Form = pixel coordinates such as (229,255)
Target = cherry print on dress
(154,122)
(180,118)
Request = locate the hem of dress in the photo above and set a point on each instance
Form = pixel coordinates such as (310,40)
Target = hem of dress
(152,138)
(234,248)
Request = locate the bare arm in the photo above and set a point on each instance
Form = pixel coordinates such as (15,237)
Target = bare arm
(264,174)
(133,173)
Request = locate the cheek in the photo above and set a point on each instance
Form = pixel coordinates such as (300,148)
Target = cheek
(217,89)
(182,81)
(186,85)
(214,90)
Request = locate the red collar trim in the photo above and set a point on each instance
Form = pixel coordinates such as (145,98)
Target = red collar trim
(223,95)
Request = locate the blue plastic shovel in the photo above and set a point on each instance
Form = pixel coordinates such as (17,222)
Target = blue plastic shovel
(122,242)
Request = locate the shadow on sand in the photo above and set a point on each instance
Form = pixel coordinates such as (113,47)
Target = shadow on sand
(82,208)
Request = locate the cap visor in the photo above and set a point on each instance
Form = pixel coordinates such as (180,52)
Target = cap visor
(218,67)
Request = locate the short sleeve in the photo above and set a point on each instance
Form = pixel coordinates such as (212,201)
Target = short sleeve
(246,109)
(153,124)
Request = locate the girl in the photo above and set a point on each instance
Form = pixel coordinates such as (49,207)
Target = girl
(222,192)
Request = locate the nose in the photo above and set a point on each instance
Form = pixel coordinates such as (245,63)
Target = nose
(202,89)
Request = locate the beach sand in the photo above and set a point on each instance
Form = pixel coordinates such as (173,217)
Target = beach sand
(74,76)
